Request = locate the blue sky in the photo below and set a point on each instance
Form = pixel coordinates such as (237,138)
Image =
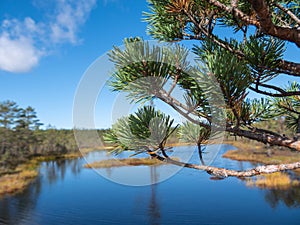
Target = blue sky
(46,46)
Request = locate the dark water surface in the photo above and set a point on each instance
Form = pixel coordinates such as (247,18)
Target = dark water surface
(67,193)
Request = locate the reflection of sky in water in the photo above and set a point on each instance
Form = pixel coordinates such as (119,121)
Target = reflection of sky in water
(137,176)
(67,193)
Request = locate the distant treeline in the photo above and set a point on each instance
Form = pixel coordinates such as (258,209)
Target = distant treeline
(22,138)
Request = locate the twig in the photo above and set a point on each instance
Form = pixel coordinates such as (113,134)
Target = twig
(282,93)
(289,12)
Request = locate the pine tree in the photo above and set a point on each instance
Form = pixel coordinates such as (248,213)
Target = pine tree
(245,62)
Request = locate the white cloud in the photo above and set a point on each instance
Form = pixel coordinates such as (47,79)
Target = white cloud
(18,51)
(23,43)
(17,55)
(71,14)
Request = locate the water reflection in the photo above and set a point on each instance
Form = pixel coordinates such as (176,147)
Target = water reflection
(24,207)
(290,197)
(15,209)
(154,209)
(54,170)
(18,208)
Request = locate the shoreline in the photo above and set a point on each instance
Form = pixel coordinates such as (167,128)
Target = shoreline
(259,153)
(15,181)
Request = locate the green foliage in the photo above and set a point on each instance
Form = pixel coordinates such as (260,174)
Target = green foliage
(231,73)
(9,111)
(280,17)
(176,20)
(193,133)
(138,61)
(17,126)
(21,137)
(226,69)
(120,136)
(144,71)
(289,107)
(168,20)
(144,130)
(161,24)
(255,110)
(263,56)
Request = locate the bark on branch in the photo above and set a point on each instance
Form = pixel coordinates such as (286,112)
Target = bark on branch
(181,108)
(266,138)
(286,67)
(236,12)
(265,22)
(224,173)
(282,93)
(290,68)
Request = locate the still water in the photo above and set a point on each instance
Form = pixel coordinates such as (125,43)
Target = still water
(67,193)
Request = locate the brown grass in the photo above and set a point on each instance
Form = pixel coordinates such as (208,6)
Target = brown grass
(100,148)
(19,178)
(15,180)
(124,162)
(257,152)
(176,144)
(276,180)
(39,159)
(13,183)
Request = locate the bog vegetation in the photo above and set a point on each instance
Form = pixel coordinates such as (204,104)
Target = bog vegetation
(21,137)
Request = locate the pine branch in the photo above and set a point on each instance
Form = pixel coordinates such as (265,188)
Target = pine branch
(290,68)
(265,138)
(282,93)
(182,109)
(236,12)
(286,67)
(173,85)
(265,22)
(255,129)
(290,109)
(288,12)
(224,173)
(214,38)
